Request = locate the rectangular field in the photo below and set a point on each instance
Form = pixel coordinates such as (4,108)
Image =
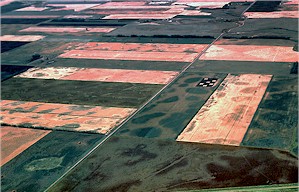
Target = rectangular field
(127,5)
(78,92)
(104,75)
(9,45)
(251,53)
(226,115)
(136,51)
(275,123)
(75,7)
(67,29)
(143,47)
(32,8)
(63,116)
(132,55)
(211,5)
(15,140)
(274,14)
(140,16)
(22,38)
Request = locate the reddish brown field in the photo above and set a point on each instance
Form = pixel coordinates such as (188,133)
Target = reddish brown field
(119,11)
(275,14)
(63,116)
(173,9)
(225,117)
(5,2)
(32,8)
(15,140)
(75,7)
(136,51)
(104,75)
(141,16)
(60,122)
(145,47)
(121,4)
(133,55)
(292,2)
(124,7)
(251,53)
(193,12)
(49,72)
(119,75)
(67,29)
(21,37)
(75,110)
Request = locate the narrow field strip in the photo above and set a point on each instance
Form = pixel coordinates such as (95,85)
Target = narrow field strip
(274,14)
(136,51)
(75,7)
(132,55)
(251,53)
(103,75)
(127,5)
(32,8)
(67,29)
(22,38)
(198,5)
(143,47)
(226,116)
(140,16)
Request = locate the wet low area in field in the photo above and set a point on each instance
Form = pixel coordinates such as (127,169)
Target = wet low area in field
(12,6)
(275,122)
(45,161)
(139,164)
(228,13)
(78,92)
(168,114)
(9,45)
(264,6)
(8,71)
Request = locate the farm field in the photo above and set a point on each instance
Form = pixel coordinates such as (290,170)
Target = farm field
(175,95)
